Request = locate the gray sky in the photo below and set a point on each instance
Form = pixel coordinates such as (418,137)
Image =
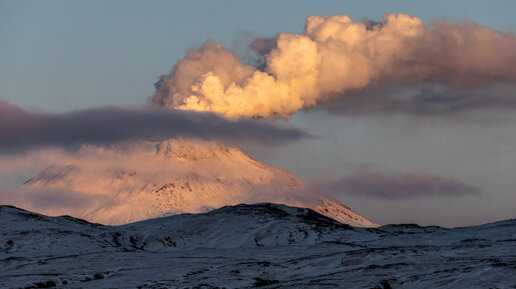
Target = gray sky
(58,56)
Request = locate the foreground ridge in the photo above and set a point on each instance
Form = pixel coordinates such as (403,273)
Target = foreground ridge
(247,246)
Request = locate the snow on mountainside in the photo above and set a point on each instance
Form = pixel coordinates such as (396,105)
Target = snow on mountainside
(247,246)
(177,176)
(341,213)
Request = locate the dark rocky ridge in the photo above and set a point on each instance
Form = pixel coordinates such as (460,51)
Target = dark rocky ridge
(245,246)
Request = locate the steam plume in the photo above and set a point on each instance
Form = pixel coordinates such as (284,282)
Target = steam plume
(335,57)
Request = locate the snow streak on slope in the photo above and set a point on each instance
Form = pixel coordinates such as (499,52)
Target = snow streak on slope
(247,246)
(173,177)
(341,213)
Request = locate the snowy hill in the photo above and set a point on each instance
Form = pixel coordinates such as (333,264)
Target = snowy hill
(247,246)
(173,177)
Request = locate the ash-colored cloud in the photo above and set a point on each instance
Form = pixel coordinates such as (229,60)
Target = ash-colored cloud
(335,58)
(371,184)
(21,130)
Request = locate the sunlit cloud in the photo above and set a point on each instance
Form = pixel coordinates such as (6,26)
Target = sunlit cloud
(121,184)
(396,64)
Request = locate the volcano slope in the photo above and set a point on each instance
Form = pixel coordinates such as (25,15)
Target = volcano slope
(150,180)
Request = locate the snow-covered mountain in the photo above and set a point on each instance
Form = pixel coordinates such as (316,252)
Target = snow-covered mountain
(173,177)
(248,246)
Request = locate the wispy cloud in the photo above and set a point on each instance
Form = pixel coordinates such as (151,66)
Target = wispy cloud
(371,184)
(51,201)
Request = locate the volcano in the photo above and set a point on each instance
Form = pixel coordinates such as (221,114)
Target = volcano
(178,176)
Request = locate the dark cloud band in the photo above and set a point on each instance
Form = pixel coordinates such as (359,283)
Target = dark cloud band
(21,130)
